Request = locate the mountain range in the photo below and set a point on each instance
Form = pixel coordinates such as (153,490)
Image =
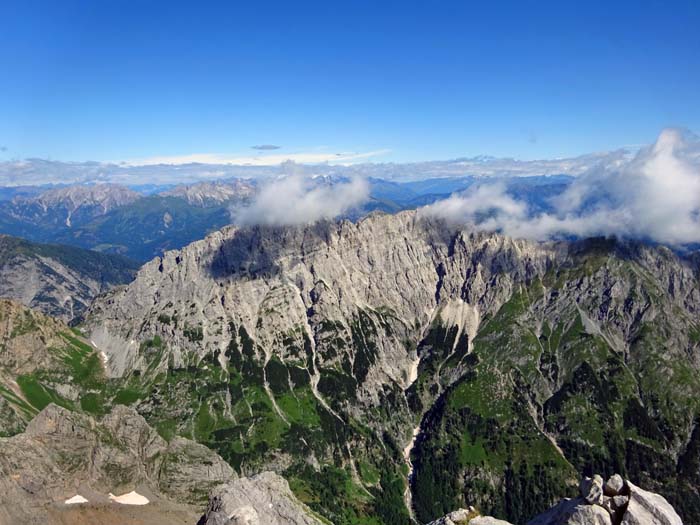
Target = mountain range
(390,369)
(140,224)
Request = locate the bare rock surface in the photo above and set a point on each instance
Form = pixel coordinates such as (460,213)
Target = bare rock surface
(592,489)
(263,499)
(630,505)
(647,508)
(62,453)
(468,517)
(635,507)
(301,276)
(573,512)
(614,485)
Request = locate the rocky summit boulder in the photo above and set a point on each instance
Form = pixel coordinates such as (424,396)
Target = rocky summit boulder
(614,502)
(614,485)
(574,512)
(468,517)
(592,489)
(647,508)
(264,499)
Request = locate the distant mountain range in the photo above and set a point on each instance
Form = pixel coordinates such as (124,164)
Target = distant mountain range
(115,219)
(143,221)
(37,172)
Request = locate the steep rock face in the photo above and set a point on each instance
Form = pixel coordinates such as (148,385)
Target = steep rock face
(600,356)
(58,280)
(321,351)
(63,452)
(297,278)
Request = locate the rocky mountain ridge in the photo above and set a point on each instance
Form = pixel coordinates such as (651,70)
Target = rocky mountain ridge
(474,365)
(58,280)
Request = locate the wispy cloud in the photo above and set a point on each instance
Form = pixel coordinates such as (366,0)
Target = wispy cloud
(655,195)
(259,160)
(301,200)
(266,147)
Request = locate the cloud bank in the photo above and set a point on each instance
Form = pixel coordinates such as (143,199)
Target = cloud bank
(263,159)
(266,147)
(199,167)
(301,200)
(653,196)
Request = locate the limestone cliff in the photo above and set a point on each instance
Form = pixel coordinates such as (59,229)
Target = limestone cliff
(352,356)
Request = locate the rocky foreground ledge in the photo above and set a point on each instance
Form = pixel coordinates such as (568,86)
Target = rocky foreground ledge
(612,502)
(63,454)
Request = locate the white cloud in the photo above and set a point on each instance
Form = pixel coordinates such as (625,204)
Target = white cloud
(258,160)
(655,196)
(300,200)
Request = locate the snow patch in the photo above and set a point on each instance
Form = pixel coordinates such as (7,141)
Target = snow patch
(412,372)
(132,498)
(75,500)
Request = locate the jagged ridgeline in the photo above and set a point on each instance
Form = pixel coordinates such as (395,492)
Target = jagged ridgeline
(351,358)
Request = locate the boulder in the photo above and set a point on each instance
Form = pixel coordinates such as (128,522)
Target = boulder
(487,520)
(614,485)
(467,517)
(616,506)
(264,499)
(573,512)
(647,508)
(620,501)
(592,489)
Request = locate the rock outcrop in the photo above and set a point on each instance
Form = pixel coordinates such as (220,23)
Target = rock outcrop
(613,502)
(467,517)
(623,504)
(263,499)
(648,508)
(62,453)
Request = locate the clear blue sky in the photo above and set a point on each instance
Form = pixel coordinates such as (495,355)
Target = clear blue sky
(108,80)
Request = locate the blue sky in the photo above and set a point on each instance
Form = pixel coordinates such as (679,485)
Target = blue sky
(120,80)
